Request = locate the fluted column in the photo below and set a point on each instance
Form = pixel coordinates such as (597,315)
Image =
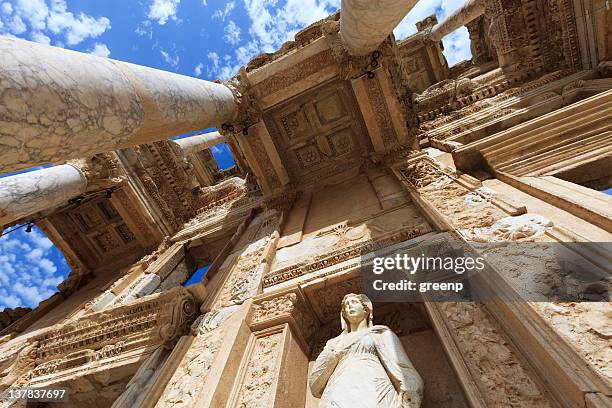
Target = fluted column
(25,194)
(364,24)
(197,143)
(460,17)
(57,104)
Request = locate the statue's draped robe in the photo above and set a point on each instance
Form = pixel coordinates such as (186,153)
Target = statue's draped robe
(374,372)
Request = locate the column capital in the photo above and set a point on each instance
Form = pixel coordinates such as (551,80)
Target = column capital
(248,111)
(279,308)
(102,171)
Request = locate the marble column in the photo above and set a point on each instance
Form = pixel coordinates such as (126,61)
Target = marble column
(463,15)
(57,104)
(364,24)
(25,194)
(197,143)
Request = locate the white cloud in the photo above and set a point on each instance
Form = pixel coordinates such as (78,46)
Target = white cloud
(39,240)
(7,8)
(17,26)
(101,50)
(270,26)
(40,38)
(47,265)
(145,29)
(30,269)
(457,46)
(34,11)
(76,29)
(221,14)
(198,69)
(232,33)
(35,254)
(172,60)
(216,70)
(42,19)
(162,10)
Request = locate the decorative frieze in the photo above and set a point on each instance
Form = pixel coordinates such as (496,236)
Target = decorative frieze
(339,255)
(152,321)
(421,172)
(295,73)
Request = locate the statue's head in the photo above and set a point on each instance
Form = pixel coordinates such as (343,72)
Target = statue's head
(355,308)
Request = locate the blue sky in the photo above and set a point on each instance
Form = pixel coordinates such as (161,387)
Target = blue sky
(208,39)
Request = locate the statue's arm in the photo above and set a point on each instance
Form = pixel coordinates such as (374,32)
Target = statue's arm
(322,369)
(400,368)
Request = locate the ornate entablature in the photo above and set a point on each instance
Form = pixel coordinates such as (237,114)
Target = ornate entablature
(98,341)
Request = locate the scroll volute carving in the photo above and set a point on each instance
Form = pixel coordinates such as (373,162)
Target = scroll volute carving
(184,311)
(289,307)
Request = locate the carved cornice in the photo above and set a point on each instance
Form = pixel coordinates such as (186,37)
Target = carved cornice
(295,73)
(159,319)
(396,155)
(337,256)
(222,193)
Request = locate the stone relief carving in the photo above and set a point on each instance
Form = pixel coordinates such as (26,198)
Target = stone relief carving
(221,193)
(287,306)
(366,365)
(518,228)
(381,112)
(102,171)
(248,111)
(261,155)
(339,247)
(293,74)
(422,173)
(501,377)
(197,362)
(155,320)
(349,66)
(180,391)
(260,374)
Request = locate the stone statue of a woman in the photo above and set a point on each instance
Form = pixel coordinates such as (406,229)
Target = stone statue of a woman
(365,366)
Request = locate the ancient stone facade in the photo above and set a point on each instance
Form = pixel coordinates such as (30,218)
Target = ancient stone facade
(349,145)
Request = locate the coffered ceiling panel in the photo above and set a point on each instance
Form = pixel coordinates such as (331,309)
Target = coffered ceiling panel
(320,133)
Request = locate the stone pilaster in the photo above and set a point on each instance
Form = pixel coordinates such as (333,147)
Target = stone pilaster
(211,359)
